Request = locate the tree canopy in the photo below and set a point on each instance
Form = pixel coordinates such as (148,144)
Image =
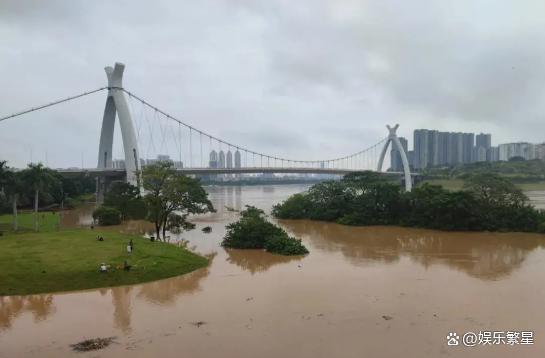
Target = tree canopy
(168,194)
(488,202)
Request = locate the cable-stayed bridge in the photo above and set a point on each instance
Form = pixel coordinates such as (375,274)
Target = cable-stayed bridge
(146,129)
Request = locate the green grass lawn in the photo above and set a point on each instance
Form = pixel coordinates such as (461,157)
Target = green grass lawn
(69,260)
(47,221)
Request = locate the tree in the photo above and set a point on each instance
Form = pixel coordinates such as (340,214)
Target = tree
(126,198)
(40,179)
(107,216)
(495,190)
(12,187)
(167,192)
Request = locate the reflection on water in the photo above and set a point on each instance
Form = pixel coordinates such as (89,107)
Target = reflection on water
(481,255)
(328,303)
(256,260)
(12,306)
(165,292)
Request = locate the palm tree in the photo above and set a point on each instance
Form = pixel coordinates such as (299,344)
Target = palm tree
(4,173)
(14,186)
(10,187)
(39,178)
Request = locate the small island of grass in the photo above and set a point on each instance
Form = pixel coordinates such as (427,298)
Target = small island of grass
(487,202)
(70,260)
(253,231)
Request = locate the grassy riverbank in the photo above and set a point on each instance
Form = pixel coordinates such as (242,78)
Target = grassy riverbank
(47,221)
(69,260)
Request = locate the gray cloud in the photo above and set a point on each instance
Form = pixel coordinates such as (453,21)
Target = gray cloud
(305,79)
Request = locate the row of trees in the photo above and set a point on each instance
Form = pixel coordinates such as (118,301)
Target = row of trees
(167,201)
(36,183)
(487,202)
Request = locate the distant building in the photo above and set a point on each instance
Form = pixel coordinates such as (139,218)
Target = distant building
(213,159)
(493,154)
(229,160)
(421,148)
(396,163)
(468,142)
(221,159)
(433,148)
(484,140)
(540,151)
(410,158)
(238,163)
(521,149)
(118,164)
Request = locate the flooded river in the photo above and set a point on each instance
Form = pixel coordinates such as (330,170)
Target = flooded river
(361,292)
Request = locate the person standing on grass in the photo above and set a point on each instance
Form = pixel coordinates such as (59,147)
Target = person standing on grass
(129,249)
(131,245)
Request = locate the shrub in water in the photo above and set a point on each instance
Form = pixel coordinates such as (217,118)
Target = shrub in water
(253,231)
(107,216)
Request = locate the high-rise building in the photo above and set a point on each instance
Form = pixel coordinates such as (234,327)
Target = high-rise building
(410,158)
(396,163)
(221,159)
(521,149)
(229,160)
(213,159)
(421,148)
(238,163)
(493,154)
(484,140)
(443,148)
(434,148)
(468,142)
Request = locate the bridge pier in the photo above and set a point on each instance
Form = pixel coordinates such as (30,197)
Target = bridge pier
(103,184)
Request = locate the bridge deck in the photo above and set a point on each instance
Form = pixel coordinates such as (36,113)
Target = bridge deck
(212,171)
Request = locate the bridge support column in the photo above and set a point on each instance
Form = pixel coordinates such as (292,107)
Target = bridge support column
(116,103)
(392,138)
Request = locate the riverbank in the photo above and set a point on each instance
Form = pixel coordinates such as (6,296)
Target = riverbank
(69,260)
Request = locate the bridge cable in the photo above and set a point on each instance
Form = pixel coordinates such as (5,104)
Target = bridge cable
(221,141)
(52,103)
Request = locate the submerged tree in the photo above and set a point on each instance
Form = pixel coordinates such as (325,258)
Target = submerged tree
(168,193)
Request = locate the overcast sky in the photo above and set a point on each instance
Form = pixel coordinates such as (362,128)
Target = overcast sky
(302,79)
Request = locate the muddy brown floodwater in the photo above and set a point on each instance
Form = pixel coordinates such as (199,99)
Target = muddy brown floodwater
(361,292)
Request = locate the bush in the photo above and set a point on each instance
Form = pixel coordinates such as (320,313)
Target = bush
(107,216)
(253,231)
(285,245)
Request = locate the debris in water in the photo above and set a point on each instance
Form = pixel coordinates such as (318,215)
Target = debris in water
(92,344)
(387,317)
(198,323)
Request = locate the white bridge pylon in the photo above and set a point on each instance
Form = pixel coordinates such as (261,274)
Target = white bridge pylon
(392,138)
(116,103)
